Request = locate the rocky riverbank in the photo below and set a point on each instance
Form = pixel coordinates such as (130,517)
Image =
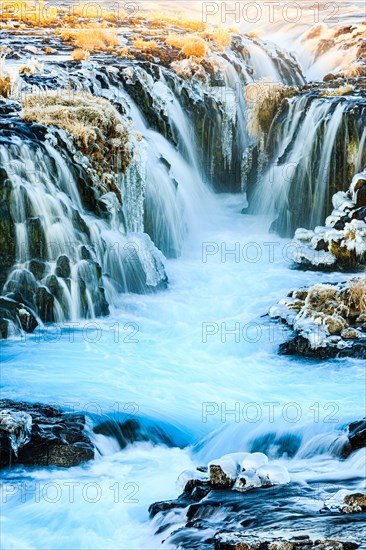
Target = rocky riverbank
(222,504)
(341,243)
(328,320)
(41,435)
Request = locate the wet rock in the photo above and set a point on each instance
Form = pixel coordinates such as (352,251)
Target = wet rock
(15,315)
(44,302)
(53,439)
(85,253)
(37,268)
(132,430)
(17,425)
(222,489)
(165,506)
(301,346)
(7,228)
(36,239)
(63,267)
(345,502)
(361,196)
(245,541)
(341,243)
(219,478)
(357,434)
(356,502)
(327,322)
(23,284)
(27,319)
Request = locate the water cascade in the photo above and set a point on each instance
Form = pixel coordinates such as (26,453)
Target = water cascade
(293,187)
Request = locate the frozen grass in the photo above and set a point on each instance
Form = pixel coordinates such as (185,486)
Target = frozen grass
(342,90)
(326,313)
(5,80)
(79,54)
(143,45)
(191,25)
(190,45)
(220,37)
(5,86)
(263,101)
(355,298)
(97,128)
(91,38)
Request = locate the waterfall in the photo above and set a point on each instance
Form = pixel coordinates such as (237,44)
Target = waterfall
(73,253)
(314,148)
(188,136)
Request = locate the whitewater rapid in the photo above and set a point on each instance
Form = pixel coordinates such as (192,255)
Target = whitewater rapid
(162,358)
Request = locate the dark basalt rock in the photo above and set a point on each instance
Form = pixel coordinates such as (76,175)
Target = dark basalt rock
(37,268)
(357,434)
(194,491)
(36,238)
(44,302)
(63,267)
(300,346)
(15,316)
(245,541)
(212,517)
(7,228)
(56,438)
(132,430)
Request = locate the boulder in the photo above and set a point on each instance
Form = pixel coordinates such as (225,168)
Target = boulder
(356,502)
(44,303)
(357,434)
(41,435)
(63,268)
(17,315)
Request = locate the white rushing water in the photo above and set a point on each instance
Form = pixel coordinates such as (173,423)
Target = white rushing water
(160,367)
(198,360)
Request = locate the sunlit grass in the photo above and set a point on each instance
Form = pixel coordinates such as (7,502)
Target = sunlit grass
(143,45)
(263,101)
(96,126)
(91,39)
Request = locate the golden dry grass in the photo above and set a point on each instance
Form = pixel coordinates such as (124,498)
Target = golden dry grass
(175,40)
(332,92)
(220,37)
(80,55)
(184,23)
(356,296)
(189,45)
(95,125)
(5,86)
(195,46)
(91,39)
(5,80)
(143,45)
(263,101)
(355,69)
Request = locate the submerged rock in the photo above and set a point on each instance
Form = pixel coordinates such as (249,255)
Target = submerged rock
(357,434)
(41,435)
(346,502)
(218,493)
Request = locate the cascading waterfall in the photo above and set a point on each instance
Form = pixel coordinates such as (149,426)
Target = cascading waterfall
(314,148)
(65,256)
(76,246)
